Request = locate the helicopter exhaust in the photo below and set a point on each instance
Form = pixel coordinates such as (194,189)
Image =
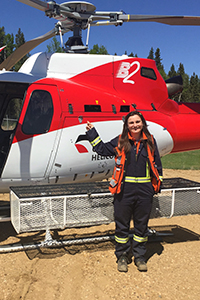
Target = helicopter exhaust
(174,85)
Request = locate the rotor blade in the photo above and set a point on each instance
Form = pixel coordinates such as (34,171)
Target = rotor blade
(41,5)
(170,20)
(53,10)
(20,52)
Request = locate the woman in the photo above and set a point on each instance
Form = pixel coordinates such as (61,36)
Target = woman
(136,178)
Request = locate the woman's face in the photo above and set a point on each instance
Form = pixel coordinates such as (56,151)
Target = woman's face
(135,125)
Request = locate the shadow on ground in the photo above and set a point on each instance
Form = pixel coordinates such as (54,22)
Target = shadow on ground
(157,240)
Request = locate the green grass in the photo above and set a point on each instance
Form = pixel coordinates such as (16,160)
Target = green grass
(182,161)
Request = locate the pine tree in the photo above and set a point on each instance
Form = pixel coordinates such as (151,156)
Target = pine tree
(172,72)
(185,97)
(54,46)
(181,70)
(98,50)
(20,40)
(159,65)
(9,42)
(132,55)
(151,54)
(194,88)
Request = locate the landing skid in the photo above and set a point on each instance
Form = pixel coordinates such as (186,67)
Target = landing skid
(49,242)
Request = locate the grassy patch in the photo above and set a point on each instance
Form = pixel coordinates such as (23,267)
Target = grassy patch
(182,161)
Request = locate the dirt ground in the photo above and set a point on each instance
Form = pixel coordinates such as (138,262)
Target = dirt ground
(90,271)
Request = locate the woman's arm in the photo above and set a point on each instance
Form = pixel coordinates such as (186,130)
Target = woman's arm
(104,149)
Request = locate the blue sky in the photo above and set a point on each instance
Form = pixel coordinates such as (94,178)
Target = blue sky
(177,43)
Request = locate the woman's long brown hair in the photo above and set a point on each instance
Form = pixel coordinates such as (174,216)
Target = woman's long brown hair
(124,140)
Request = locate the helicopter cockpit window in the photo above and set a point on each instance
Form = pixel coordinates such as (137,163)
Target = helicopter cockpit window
(11,115)
(92,108)
(148,73)
(124,108)
(39,113)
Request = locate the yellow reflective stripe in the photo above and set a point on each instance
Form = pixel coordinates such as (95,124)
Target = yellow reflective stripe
(137,179)
(140,239)
(96,141)
(121,240)
(147,170)
(161,178)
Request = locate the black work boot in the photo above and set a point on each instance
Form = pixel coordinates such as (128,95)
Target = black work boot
(122,264)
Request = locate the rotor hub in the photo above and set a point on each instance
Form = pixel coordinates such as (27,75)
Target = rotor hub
(79,6)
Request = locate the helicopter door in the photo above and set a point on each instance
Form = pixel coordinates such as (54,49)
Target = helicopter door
(11,99)
(36,135)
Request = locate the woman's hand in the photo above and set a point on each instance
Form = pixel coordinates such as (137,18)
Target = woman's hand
(89,125)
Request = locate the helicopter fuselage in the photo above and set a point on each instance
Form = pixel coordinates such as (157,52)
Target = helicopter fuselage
(46,105)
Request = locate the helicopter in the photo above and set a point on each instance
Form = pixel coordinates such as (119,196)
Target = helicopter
(46,104)
(1,48)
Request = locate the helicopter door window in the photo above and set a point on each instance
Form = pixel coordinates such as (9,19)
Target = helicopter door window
(11,115)
(39,113)
(148,73)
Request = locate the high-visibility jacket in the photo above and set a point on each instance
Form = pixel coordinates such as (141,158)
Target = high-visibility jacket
(121,162)
(120,170)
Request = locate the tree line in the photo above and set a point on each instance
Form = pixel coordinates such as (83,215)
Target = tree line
(12,43)
(191,84)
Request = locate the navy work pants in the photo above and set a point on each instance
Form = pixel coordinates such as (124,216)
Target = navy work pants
(136,202)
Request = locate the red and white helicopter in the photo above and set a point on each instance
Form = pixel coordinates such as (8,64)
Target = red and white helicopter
(1,48)
(45,106)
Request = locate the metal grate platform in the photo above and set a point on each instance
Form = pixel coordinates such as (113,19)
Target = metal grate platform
(47,207)
(60,206)
(61,189)
(178,197)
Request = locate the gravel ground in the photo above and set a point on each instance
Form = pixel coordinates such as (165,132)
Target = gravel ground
(90,271)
